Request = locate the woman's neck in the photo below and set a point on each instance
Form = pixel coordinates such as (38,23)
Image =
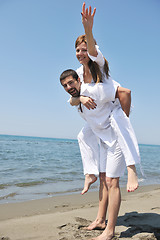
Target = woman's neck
(87,76)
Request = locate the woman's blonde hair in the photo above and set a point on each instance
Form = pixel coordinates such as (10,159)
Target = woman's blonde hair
(93,66)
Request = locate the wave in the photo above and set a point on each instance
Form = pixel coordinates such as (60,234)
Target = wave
(29,184)
(3,186)
(11,195)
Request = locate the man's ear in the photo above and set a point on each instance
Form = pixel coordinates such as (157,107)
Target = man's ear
(79,79)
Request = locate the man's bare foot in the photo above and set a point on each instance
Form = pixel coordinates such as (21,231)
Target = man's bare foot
(96,225)
(104,236)
(132,183)
(89,179)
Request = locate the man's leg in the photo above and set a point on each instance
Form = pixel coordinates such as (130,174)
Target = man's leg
(103,190)
(100,222)
(114,201)
(115,168)
(89,149)
(113,207)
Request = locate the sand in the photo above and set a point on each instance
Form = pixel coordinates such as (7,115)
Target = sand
(63,217)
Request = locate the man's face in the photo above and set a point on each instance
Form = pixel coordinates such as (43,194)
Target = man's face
(72,86)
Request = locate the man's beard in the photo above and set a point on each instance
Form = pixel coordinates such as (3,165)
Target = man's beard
(74,92)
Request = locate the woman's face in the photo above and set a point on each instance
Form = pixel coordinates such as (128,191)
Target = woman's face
(81,53)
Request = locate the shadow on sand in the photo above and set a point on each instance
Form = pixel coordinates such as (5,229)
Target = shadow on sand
(139,223)
(144,226)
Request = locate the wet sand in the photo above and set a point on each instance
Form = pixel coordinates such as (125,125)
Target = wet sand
(63,217)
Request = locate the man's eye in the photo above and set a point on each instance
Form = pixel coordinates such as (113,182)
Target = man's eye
(71,82)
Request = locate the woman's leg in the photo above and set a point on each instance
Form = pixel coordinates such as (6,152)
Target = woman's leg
(132,183)
(129,145)
(89,149)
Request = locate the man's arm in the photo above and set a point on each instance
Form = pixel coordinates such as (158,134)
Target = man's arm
(124,96)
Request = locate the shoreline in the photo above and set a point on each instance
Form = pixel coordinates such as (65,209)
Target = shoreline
(62,217)
(53,203)
(13,196)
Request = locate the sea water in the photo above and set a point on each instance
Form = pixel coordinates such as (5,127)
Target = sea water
(34,167)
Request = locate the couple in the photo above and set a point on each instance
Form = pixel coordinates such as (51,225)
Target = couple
(107,142)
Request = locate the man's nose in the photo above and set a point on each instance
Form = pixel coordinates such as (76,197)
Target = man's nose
(68,87)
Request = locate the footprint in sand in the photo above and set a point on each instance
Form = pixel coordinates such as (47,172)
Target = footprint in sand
(4,238)
(155,208)
(70,231)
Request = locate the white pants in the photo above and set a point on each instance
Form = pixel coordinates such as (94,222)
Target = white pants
(89,148)
(97,157)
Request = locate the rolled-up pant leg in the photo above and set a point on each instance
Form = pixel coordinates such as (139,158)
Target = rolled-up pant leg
(89,149)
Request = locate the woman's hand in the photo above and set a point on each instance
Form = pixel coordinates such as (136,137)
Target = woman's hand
(87,17)
(88,102)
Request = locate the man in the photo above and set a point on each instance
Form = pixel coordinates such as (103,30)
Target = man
(110,146)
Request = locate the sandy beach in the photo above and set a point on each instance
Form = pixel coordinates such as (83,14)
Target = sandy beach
(63,217)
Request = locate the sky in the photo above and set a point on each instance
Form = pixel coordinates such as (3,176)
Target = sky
(37,44)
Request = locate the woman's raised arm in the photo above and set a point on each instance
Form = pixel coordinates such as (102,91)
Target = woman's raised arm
(87,20)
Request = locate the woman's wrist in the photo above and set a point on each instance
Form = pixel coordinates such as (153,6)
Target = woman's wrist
(81,97)
(74,101)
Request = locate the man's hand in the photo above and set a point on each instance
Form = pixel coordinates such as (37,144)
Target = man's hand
(88,102)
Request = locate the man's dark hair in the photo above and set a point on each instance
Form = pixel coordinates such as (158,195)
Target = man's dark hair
(67,73)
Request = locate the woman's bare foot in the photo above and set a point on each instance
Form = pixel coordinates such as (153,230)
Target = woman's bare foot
(89,179)
(132,183)
(98,224)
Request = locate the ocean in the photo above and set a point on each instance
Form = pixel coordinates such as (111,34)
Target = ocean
(35,167)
